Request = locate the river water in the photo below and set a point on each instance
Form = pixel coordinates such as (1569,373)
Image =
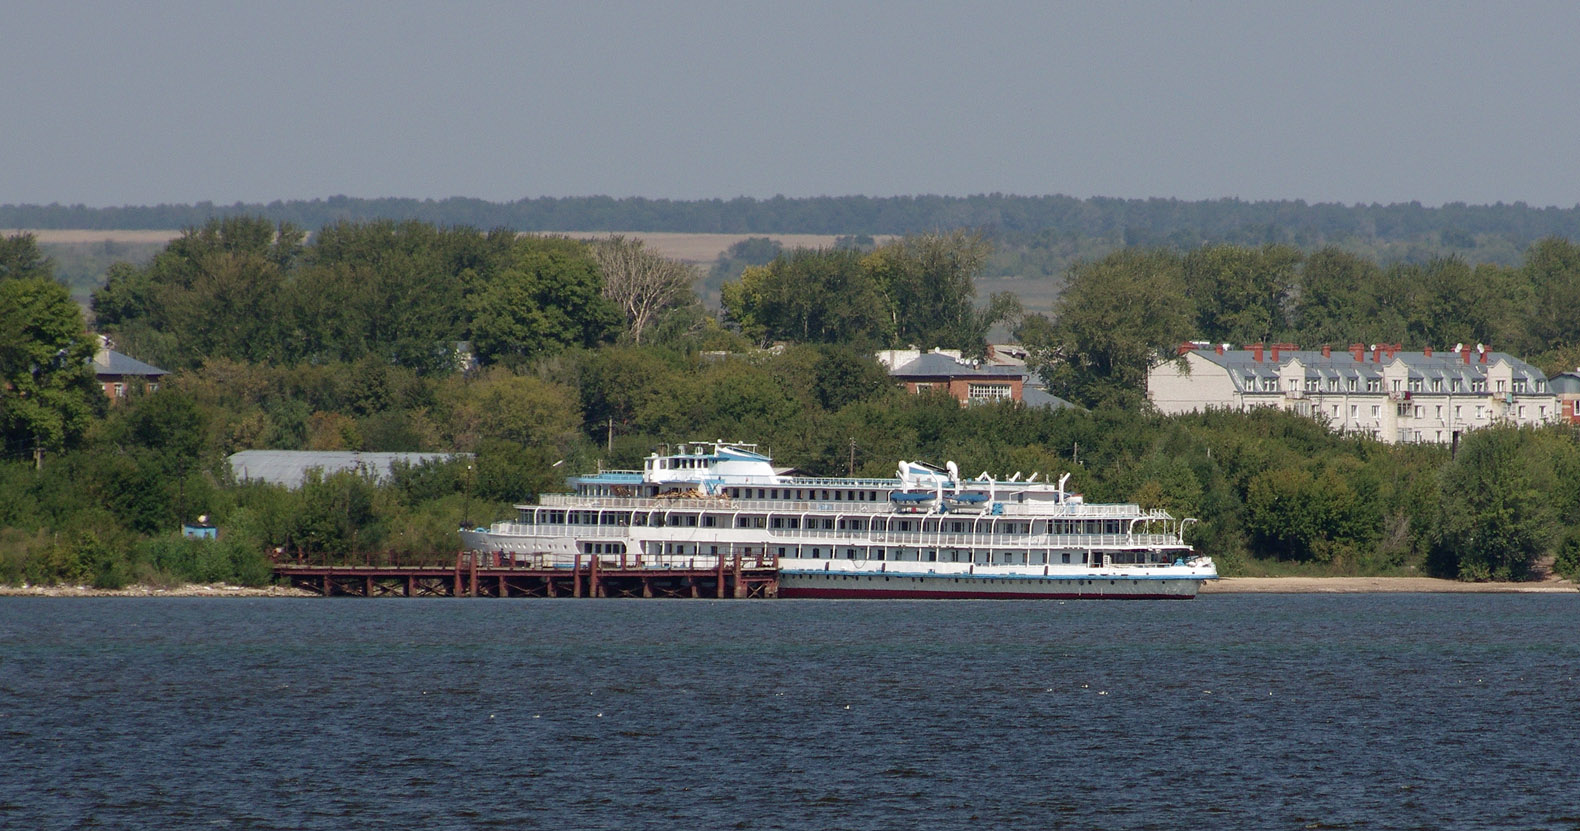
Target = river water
(1229,711)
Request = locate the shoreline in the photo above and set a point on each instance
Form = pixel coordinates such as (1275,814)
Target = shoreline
(187,590)
(1376,585)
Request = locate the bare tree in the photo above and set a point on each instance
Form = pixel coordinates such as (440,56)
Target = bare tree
(638,279)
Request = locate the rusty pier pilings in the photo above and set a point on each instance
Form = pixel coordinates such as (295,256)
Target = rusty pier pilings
(485,575)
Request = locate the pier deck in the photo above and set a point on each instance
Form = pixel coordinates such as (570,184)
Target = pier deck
(487,576)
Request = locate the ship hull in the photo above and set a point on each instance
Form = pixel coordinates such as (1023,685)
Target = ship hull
(933,587)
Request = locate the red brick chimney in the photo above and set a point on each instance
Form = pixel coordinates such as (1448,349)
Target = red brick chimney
(1466,353)
(1483,350)
(1327,351)
(1358,351)
(1427,351)
(1256,351)
(1219,348)
(1187,346)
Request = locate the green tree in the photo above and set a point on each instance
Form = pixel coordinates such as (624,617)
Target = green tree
(1241,295)
(1117,316)
(547,298)
(805,296)
(48,395)
(20,259)
(1496,518)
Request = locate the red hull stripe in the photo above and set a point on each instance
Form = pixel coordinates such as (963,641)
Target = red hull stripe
(914,594)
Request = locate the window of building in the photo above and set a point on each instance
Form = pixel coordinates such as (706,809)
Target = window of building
(1415,384)
(1439,411)
(120,390)
(1454,385)
(1480,412)
(1311,385)
(1502,385)
(1335,411)
(1397,384)
(1333,385)
(1519,385)
(1350,384)
(1401,409)
(1478,385)
(1353,410)
(988,392)
(1456,411)
(923,386)
(1437,385)
(1376,410)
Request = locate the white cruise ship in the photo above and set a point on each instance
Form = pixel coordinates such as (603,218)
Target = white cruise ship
(927,533)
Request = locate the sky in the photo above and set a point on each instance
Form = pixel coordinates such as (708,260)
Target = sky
(122,103)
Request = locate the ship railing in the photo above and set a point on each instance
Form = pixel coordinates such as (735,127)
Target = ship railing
(919,539)
(823,506)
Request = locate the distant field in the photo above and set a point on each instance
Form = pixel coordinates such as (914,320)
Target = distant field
(694,248)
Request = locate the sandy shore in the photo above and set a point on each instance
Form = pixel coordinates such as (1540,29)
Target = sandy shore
(1351,585)
(189,590)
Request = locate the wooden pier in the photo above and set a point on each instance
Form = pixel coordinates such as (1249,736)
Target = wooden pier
(493,576)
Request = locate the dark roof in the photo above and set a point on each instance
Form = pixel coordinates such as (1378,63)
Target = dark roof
(110,362)
(934,365)
(1039,397)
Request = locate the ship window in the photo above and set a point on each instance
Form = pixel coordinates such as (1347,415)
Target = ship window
(932,556)
(850,553)
(1066,557)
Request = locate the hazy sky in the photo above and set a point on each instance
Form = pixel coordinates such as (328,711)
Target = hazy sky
(141,103)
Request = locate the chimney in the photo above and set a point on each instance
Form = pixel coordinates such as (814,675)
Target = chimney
(1483,350)
(1427,351)
(1274,357)
(1187,346)
(1358,351)
(1256,351)
(1327,351)
(1376,354)
(1466,353)
(1219,348)
(1283,347)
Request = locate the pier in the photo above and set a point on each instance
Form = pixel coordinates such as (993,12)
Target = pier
(487,575)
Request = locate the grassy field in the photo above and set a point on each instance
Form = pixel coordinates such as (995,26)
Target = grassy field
(693,248)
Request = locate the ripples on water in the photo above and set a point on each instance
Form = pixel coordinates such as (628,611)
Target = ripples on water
(1355,711)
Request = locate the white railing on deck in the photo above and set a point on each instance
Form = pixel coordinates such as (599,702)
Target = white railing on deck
(784,506)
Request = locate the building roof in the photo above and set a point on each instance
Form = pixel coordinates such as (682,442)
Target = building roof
(938,365)
(110,362)
(1039,397)
(290,467)
(1340,363)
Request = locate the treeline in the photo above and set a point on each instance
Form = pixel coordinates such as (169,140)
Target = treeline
(357,340)
(1129,222)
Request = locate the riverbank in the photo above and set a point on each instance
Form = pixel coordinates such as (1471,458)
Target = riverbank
(188,590)
(1355,585)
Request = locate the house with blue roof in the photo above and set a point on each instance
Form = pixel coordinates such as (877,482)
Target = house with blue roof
(119,374)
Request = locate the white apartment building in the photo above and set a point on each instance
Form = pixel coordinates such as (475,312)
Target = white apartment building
(1387,393)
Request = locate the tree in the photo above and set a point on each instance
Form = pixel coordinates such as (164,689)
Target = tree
(548,297)
(1241,294)
(1495,514)
(1117,316)
(929,282)
(640,281)
(47,392)
(807,296)
(20,259)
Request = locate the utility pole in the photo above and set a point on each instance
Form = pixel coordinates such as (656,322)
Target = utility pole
(852,471)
